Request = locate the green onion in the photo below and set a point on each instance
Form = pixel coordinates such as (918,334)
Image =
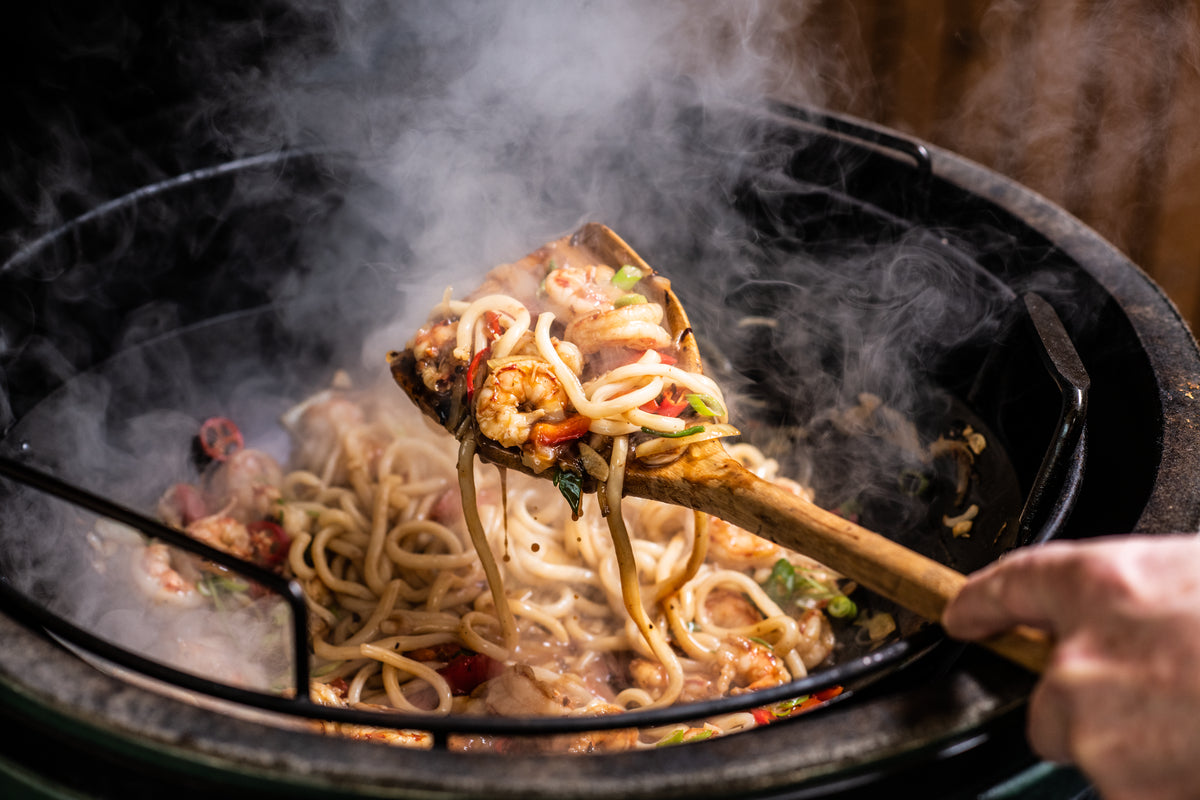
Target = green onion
(786,707)
(811,588)
(627,276)
(629,300)
(570,485)
(211,585)
(842,607)
(781,583)
(705,405)
(681,735)
(692,431)
(550,267)
(674,738)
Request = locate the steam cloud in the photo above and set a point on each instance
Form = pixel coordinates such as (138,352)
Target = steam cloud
(480,130)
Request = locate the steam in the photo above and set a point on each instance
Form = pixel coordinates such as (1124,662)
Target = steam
(474,132)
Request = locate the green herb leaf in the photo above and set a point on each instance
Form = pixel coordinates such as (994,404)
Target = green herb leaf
(570,485)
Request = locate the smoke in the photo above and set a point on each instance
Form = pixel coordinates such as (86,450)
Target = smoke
(450,137)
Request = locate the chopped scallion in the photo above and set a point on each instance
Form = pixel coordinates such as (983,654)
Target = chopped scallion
(630,299)
(705,405)
(842,607)
(627,276)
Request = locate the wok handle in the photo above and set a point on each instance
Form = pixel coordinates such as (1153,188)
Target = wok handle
(707,479)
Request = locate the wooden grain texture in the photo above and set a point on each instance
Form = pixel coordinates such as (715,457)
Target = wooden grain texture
(707,479)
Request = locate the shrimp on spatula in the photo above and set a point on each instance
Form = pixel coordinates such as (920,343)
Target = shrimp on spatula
(578,363)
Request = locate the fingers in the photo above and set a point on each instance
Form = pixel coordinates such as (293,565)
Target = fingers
(1027,587)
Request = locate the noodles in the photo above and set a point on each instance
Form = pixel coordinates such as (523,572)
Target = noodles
(610,613)
(443,586)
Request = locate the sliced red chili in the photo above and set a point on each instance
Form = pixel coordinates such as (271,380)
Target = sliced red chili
(818,699)
(473,369)
(492,321)
(667,405)
(464,673)
(270,542)
(220,438)
(763,716)
(672,407)
(548,434)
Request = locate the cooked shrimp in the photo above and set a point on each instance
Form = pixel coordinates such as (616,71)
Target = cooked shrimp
(730,609)
(736,547)
(567,351)
(578,291)
(224,533)
(816,638)
(741,666)
(748,665)
(522,690)
(433,348)
(335,695)
(634,326)
(247,485)
(518,392)
(318,424)
(154,574)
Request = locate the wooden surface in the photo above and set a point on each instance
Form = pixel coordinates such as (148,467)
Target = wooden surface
(707,479)
(1094,104)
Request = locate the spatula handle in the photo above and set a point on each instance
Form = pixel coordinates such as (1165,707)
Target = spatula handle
(709,480)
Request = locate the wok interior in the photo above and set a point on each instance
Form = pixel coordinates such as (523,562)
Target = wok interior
(795,228)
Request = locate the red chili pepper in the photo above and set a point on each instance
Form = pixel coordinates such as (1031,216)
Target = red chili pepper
(220,438)
(667,406)
(828,694)
(473,368)
(765,715)
(548,434)
(465,672)
(819,699)
(672,408)
(492,321)
(270,542)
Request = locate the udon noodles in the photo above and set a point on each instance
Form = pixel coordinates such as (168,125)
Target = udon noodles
(368,517)
(437,584)
(401,603)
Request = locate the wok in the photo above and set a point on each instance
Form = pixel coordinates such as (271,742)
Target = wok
(915,701)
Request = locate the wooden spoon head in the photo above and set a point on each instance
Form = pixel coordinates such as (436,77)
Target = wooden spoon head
(593,243)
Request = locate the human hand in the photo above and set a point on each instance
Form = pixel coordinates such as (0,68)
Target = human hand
(1120,697)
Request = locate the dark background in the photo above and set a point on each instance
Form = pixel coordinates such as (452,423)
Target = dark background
(103,98)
